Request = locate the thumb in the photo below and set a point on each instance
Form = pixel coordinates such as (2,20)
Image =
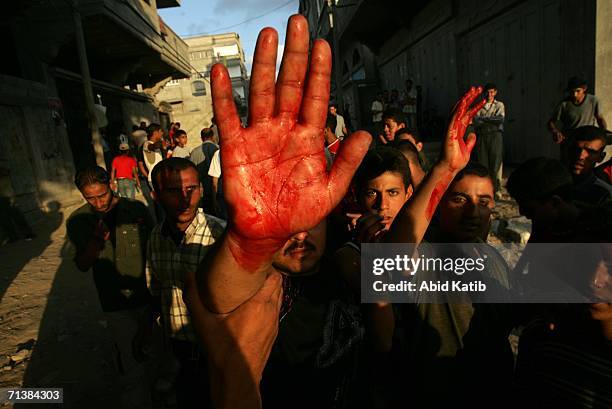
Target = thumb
(470,142)
(349,156)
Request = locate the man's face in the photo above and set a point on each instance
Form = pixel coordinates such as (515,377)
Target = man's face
(390,128)
(99,196)
(179,194)
(586,156)
(157,135)
(491,93)
(332,110)
(578,94)
(302,253)
(182,140)
(385,195)
(601,285)
(465,209)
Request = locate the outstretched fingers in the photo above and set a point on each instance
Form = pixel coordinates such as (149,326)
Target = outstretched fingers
(316,95)
(290,82)
(262,90)
(224,107)
(351,152)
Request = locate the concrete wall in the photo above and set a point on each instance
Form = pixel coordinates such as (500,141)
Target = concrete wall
(528,48)
(34,145)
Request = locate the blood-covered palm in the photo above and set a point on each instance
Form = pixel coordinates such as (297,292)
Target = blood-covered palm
(274,171)
(275,180)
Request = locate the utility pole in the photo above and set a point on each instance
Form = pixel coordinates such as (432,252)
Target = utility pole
(333,24)
(96,138)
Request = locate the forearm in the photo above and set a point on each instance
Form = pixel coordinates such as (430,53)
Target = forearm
(413,219)
(602,122)
(552,127)
(233,389)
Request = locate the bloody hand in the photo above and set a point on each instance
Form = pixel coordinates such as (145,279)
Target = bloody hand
(275,178)
(456,152)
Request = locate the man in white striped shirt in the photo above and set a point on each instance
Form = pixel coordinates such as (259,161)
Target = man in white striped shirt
(176,247)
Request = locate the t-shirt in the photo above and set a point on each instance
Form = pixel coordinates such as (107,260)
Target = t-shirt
(444,350)
(333,147)
(339,126)
(180,152)
(215,165)
(124,166)
(409,108)
(150,157)
(312,357)
(119,270)
(574,116)
(377,106)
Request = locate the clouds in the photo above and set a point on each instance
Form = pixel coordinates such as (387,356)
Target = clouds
(203,25)
(248,7)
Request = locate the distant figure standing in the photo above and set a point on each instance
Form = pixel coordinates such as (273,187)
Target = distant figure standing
(340,130)
(578,109)
(124,173)
(409,101)
(377,109)
(489,124)
(201,156)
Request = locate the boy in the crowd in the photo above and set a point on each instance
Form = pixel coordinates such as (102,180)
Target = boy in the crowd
(180,139)
(124,173)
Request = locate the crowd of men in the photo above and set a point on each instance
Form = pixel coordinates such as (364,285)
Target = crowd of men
(247,294)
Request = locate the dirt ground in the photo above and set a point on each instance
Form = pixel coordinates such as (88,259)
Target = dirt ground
(52,330)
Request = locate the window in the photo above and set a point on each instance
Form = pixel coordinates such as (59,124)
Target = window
(199,88)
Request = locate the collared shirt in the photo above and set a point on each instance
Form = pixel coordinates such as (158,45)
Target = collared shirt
(167,262)
(491,116)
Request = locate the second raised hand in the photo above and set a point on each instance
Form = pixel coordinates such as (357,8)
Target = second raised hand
(274,170)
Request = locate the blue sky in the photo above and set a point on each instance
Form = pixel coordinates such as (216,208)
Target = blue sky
(208,16)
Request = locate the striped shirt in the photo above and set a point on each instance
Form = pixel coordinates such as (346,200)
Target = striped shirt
(167,262)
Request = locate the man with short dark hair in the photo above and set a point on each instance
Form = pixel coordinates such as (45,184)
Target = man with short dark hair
(180,140)
(587,147)
(340,130)
(177,246)
(201,156)
(564,355)
(489,124)
(411,153)
(578,109)
(110,236)
(393,120)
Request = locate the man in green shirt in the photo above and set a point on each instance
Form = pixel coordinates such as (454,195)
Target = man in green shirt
(110,236)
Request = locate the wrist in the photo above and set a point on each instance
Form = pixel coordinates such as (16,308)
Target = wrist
(254,255)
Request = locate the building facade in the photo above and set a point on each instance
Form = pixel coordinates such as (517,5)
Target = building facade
(190,98)
(529,49)
(45,133)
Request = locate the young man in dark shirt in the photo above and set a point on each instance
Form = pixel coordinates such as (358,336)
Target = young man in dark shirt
(110,236)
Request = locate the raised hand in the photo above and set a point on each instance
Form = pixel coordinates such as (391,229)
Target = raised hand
(274,170)
(456,151)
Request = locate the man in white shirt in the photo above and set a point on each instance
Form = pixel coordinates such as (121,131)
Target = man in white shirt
(214,171)
(409,104)
(489,124)
(340,130)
